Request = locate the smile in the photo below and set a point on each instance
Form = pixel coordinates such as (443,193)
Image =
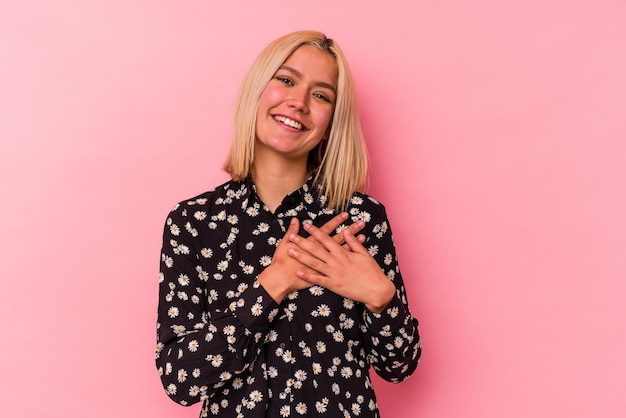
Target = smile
(289,122)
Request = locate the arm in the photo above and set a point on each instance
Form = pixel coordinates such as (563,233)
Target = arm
(392,335)
(368,274)
(200,348)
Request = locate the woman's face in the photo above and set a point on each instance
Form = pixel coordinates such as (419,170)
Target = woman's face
(297,105)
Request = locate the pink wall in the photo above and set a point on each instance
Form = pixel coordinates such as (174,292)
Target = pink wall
(497,134)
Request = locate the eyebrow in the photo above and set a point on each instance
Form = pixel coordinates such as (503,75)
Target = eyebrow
(299,74)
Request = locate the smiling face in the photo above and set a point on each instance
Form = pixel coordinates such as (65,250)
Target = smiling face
(296,106)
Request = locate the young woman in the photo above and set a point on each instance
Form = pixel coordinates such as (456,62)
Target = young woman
(280,288)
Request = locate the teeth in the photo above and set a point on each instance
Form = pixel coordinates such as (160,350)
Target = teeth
(289,122)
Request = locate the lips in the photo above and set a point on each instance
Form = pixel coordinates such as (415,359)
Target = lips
(289,122)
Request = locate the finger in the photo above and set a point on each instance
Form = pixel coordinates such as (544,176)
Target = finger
(353,228)
(310,246)
(360,237)
(327,242)
(311,277)
(331,225)
(294,226)
(307,260)
(292,229)
(354,243)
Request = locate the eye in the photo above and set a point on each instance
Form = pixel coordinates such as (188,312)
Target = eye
(285,80)
(322,97)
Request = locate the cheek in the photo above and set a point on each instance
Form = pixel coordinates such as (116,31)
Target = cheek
(325,118)
(269,97)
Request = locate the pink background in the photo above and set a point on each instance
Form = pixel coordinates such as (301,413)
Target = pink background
(496,131)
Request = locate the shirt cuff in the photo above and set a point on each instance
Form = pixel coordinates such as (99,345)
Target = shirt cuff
(391,318)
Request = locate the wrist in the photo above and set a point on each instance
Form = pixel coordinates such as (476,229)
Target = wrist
(273,284)
(382,298)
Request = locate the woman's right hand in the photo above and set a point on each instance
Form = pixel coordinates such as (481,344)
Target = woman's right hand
(279,278)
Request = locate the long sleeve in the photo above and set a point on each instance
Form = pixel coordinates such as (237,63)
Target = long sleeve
(201,346)
(222,339)
(392,337)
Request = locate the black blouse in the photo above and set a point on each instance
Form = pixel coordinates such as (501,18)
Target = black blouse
(223,340)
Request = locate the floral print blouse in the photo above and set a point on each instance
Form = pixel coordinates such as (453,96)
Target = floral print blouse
(221,338)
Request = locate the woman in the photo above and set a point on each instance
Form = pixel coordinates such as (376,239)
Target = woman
(279,288)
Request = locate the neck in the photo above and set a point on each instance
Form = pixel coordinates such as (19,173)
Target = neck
(273,181)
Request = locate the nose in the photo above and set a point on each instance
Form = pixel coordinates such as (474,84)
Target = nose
(298,99)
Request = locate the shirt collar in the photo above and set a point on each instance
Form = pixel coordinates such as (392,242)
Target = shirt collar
(307,202)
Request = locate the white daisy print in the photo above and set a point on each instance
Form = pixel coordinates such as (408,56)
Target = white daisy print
(216,360)
(222,265)
(256,396)
(316,290)
(346,372)
(323,310)
(257,309)
(300,375)
(221,338)
(373,250)
(365,216)
(317,368)
(172,312)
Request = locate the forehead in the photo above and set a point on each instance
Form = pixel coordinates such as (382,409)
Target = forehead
(313,63)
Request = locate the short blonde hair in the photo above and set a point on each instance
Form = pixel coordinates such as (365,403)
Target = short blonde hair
(340,162)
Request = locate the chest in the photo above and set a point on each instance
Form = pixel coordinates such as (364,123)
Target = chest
(239,253)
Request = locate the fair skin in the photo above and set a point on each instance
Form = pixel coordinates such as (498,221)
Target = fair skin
(293,117)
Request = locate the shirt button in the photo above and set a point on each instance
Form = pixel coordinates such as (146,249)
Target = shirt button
(282,345)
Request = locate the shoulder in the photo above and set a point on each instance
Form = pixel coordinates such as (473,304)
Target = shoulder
(366,207)
(370,210)
(215,199)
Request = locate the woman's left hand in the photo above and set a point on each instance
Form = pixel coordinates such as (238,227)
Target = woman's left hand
(349,270)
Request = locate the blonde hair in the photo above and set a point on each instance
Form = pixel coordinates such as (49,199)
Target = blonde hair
(341,161)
